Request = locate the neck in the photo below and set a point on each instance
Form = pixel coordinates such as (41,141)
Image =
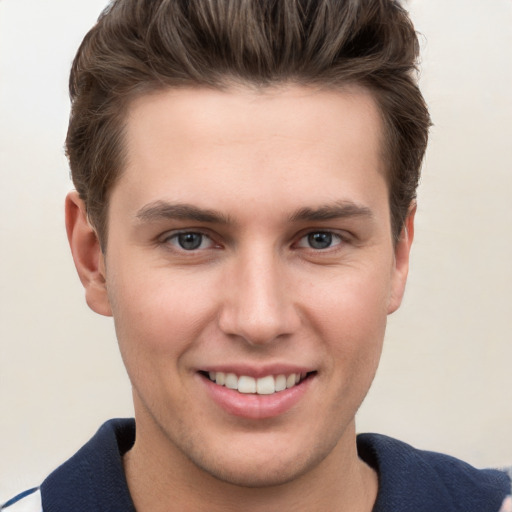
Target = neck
(165,479)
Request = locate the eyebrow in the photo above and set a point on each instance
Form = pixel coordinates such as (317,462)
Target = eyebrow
(162,210)
(338,210)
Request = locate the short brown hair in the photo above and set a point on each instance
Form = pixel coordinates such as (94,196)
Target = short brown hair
(139,46)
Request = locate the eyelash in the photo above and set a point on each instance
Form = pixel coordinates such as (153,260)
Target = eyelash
(168,240)
(332,236)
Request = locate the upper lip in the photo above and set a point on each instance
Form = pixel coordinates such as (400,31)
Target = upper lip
(257,371)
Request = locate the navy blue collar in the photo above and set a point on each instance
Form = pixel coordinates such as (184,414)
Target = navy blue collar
(423,481)
(93,479)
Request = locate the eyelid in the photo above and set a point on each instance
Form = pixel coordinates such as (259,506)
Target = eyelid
(342,236)
(165,238)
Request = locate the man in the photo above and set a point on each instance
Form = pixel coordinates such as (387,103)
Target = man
(245,179)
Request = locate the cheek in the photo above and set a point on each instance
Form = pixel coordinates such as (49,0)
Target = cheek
(350,317)
(353,302)
(157,313)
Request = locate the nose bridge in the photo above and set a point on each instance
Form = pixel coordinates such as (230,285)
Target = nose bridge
(258,306)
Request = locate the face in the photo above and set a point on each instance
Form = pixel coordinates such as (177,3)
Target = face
(250,269)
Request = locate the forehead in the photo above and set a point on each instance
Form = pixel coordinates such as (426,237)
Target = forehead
(200,145)
(237,115)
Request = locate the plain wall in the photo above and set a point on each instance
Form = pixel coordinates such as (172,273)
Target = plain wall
(445,382)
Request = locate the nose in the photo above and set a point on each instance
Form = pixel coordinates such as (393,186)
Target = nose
(258,303)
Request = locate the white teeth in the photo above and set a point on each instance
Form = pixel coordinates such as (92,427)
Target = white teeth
(246,384)
(231,381)
(280,382)
(263,386)
(266,385)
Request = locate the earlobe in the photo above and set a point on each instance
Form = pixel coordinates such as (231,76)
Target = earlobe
(401,265)
(87,255)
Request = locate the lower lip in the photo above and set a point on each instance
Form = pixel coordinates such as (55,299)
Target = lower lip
(256,407)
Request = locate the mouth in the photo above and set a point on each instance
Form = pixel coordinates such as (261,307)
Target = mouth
(266,385)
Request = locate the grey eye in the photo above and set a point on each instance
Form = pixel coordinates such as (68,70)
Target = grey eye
(320,240)
(190,241)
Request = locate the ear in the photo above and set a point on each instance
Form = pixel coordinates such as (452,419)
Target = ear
(401,265)
(87,255)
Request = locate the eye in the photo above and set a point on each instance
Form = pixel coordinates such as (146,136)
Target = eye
(190,241)
(320,240)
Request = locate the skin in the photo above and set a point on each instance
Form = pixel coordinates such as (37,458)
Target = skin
(254,293)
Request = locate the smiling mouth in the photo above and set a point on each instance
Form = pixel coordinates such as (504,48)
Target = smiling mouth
(267,385)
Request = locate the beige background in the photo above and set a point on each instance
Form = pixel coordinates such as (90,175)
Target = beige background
(445,382)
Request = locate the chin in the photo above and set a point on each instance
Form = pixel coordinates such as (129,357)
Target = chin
(246,475)
(262,467)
